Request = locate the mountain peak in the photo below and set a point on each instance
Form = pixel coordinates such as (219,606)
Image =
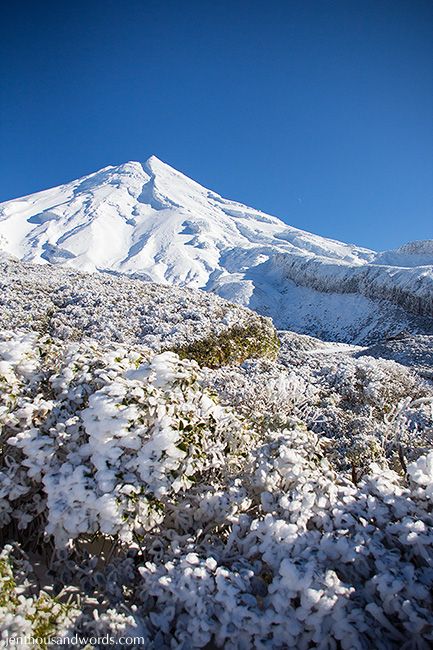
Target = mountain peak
(170,179)
(150,220)
(112,219)
(155,166)
(154,160)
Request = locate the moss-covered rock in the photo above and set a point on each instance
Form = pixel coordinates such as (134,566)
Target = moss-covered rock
(257,339)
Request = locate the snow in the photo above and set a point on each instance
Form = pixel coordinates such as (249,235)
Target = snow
(415,253)
(155,223)
(69,305)
(412,351)
(220,527)
(281,502)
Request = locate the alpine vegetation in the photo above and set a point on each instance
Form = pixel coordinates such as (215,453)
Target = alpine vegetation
(277,503)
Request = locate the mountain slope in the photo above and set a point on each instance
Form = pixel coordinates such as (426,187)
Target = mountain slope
(151,221)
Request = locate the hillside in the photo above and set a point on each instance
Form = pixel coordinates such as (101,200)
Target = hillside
(175,470)
(71,305)
(277,494)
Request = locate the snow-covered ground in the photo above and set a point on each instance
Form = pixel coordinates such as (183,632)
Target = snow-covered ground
(72,305)
(275,503)
(152,221)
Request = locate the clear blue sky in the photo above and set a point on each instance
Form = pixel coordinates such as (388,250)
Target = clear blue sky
(317,111)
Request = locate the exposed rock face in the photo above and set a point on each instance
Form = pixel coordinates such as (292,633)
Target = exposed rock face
(409,288)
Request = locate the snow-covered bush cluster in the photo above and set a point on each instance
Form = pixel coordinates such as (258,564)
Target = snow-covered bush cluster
(105,436)
(269,504)
(70,305)
(31,617)
(370,410)
(369,385)
(307,559)
(409,350)
(380,410)
(23,611)
(266,393)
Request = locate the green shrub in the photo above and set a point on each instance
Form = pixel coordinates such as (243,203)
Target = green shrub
(234,345)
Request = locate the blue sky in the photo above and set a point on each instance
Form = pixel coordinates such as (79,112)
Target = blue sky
(320,112)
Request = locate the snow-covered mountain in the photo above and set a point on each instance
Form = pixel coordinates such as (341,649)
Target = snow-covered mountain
(151,221)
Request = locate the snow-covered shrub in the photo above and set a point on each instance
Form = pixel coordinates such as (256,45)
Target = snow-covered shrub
(70,305)
(118,438)
(311,560)
(421,476)
(269,395)
(373,410)
(388,412)
(18,363)
(20,401)
(198,523)
(363,452)
(369,384)
(31,616)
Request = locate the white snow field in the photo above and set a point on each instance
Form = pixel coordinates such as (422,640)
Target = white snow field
(153,222)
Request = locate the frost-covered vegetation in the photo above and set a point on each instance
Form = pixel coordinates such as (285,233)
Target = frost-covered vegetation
(70,305)
(408,350)
(259,503)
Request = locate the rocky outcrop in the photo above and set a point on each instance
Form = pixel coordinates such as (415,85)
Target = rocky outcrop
(409,288)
